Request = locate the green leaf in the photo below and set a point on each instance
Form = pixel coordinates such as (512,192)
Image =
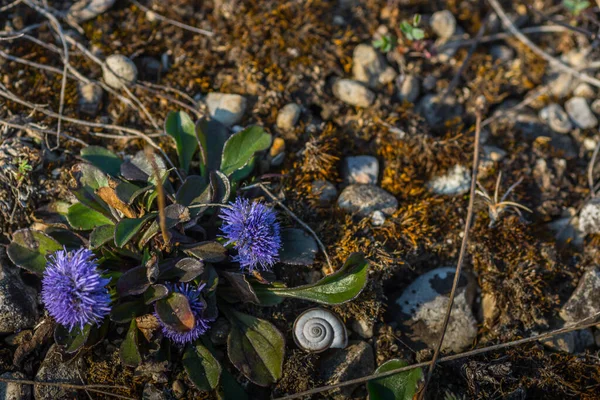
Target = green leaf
(183,270)
(241,147)
(127,192)
(297,247)
(101,235)
(125,312)
(102,158)
(84,218)
(255,347)
(202,367)
(209,251)
(29,249)
(175,312)
(72,340)
(181,127)
(89,179)
(340,287)
(133,282)
(129,351)
(127,228)
(400,386)
(155,293)
(221,187)
(212,136)
(195,190)
(230,388)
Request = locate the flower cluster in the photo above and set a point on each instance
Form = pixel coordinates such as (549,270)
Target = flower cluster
(197,305)
(73,290)
(254,231)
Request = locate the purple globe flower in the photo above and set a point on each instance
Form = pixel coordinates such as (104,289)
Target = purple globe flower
(73,290)
(197,304)
(254,231)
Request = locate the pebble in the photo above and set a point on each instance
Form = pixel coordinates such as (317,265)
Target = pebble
(151,392)
(556,118)
(363,200)
(288,116)
(360,169)
(436,112)
(367,65)
(18,302)
(443,24)
(151,67)
(82,11)
(179,389)
(571,342)
(408,88)
(13,391)
(566,229)
(90,98)
(560,83)
(455,182)
(363,328)
(353,93)
(340,365)
(226,108)
(377,218)
(584,90)
(589,217)
(596,106)
(429,83)
(422,308)
(119,71)
(503,53)
(585,300)
(53,369)
(493,153)
(326,192)
(579,111)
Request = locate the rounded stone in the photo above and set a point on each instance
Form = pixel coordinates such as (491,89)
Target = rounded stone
(119,71)
(443,24)
(367,65)
(580,113)
(90,97)
(408,88)
(589,217)
(353,93)
(455,182)
(360,169)
(325,191)
(288,116)
(226,108)
(363,200)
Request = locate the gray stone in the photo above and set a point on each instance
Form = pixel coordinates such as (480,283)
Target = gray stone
(18,302)
(589,217)
(325,191)
(584,90)
(340,365)
(13,391)
(368,65)
(363,200)
(363,328)
(556,118)
(596,106)
(151,392)
(429,83)
(561,84)
(443,24)
(408,88)
(437,112)
(502,52)
(151,67)
(287,117)
(493,153)
(226,108)
(422,308)
(360,169)
(353,93)
(579,111)
(85,10)
(455,182)
(53,369)
(90,98)
(377,218)
(566,229)
(571,342)
(585,300)
(119,71)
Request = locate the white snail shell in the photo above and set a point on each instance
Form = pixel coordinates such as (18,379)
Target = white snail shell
(317,330)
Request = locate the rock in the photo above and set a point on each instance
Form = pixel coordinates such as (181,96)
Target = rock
(589,217)
(388,75)
(455,182)
(489,308)
(360,169)
(437,112)
(566,229)
(178,389)
(503,53)
(119,71)
(571,342)
(443,24)
(363,328)
(341,365)
(580,113)
(226,108)
(151,392)
(353,93)
(90,98)
(363,200)
(326,192)
(422,308)
(84,10)
(377,218)
(493,153)
(408,88)
(368,65)
(585,300)
(556,118)
(18,302)
(429,83)
(560,83)
(288,116)
(584,90)
(13,391)
(151,67)
(53,369)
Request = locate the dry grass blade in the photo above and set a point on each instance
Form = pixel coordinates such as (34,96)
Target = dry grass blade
(173,22)
(161,195)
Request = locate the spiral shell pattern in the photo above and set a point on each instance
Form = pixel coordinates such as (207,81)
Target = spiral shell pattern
(317,330)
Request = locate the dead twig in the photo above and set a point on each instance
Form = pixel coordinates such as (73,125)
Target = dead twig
(591,170)
(91,388)
(172,21)
(39,130)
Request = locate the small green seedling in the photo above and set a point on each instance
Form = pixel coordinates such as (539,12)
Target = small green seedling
(412,31)
(24,169)
(575,7)
(385,44)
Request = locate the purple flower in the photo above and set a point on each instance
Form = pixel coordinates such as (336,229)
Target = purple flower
(253,229)
(197,304)
(73,290)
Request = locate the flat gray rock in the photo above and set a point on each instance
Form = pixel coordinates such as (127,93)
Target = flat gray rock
(226,108)
(363,200)
(580,113)
(53,369)
(443,24)
(18,302)
(14,391)
(341,365)
(360,169)
(585,300)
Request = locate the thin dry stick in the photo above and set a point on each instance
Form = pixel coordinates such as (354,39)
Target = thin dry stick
(40,130)
(172,21)
(551,60)
(302,223)
(161,195)
(591,170)
(583,324)
(463,246)
(9,6)
(91,388)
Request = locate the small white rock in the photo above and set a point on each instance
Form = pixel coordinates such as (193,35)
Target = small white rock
(367,65)
(363,328)
(589,217)
(443,24)
(377,218)
(494,153)
(408,88)
(579,111)
(360,169)
(353,93)
(288,116)
(226,108)
(584,90)
(455,182)
(119,71)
